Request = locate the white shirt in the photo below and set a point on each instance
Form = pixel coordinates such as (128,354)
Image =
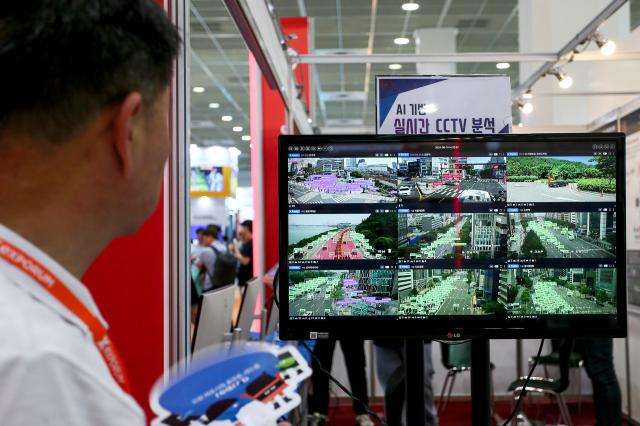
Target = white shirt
(51,372)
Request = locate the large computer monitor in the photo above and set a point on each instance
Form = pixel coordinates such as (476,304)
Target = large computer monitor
(452,236)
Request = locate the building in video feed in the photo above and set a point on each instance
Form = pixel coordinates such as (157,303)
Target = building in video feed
(550,291)
(343,293)
(561,179)
(448,236)
(562,235)
(437,179)
(343,236)
(342,180)
(448,292)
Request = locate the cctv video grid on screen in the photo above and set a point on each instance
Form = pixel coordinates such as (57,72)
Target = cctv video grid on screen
(459,234)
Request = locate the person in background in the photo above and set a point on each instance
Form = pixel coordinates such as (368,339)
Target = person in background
(597,354)
(206,259)
(244,252)
(354,358)
(390,368)
(197,248)
(85,94)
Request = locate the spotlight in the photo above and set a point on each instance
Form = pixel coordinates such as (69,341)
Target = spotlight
(503,65)
(246,138)
(564,80)
(198,89)
(525,107)
(401,41)
(395,67)
(607,47)
(226,118)
(237,129)
(214,105)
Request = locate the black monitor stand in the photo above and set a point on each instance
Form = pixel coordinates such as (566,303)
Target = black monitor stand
(480,382)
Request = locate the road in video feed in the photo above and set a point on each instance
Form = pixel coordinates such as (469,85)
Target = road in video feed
(448,292)
(561,179)
(343,293)
(558,291)
(343,236)
(569,235)
(342,180)
(441,179)
(449,236)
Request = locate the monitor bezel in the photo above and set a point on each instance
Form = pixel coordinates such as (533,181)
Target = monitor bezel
(459,327)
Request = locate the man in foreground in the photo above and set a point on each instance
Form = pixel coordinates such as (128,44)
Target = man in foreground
(83,144)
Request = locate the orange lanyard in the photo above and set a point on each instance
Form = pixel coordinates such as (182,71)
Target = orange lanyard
(57,289)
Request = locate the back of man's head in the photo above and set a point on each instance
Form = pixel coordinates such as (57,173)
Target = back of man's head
(208,237)
(215,229)
(84,112)
(248,225)
(62,61)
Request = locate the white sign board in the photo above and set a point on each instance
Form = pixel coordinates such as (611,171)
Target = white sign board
(418,105)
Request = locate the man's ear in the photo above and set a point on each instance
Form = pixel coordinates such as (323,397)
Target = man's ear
(126,117)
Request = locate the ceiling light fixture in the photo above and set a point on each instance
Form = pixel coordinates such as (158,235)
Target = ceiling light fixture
(246,138)
(198,89)
(226,118)
(214,105)
(410,7)
(400,41)
(606,46)
(237,129)
(564,80)
(525,107)
(395,67)
(503,65)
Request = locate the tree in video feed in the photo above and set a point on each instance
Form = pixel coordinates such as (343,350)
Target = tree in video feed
(382,230)
(532,247)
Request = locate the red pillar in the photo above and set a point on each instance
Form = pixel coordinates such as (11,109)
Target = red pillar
(268,104)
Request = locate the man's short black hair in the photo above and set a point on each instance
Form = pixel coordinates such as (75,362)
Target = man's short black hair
(248,224)
(214,228)
(62,61)
(199,231)
(209,233)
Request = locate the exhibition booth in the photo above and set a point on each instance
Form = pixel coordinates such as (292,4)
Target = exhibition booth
(385,225)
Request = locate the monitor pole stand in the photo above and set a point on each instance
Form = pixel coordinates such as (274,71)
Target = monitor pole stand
(480,383)
(414,381)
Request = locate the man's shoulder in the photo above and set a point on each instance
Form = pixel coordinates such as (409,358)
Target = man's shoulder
(35,338)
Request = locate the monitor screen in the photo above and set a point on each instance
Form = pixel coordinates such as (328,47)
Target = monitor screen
(452,236)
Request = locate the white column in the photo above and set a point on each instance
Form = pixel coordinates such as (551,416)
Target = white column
(435,40)
(546,26)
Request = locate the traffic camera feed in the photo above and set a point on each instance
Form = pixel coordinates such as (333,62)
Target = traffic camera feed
(558,291)
(514,233)
(343,293)
(507,291)
(446,236)
(561,179)
(448,292)
(343,236)
(562,235)
(438,179)
(342,180)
